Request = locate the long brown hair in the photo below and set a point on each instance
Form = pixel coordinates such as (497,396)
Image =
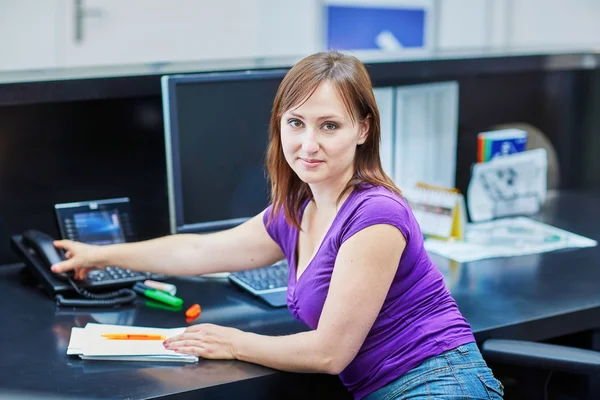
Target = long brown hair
(352,82)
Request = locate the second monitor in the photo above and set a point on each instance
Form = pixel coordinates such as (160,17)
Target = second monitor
(216,134)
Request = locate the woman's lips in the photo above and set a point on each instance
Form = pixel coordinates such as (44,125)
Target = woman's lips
(310,163)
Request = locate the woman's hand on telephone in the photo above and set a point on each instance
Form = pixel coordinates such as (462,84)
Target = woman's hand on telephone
(81,258)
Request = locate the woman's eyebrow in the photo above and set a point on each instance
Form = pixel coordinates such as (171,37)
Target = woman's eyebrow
(293,114)
(332,116)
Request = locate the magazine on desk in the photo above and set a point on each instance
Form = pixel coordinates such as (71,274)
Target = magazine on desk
(107,342)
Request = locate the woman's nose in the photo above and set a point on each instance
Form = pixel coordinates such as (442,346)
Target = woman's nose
(309,143)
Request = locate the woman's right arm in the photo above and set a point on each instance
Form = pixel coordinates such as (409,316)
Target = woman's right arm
(246,246)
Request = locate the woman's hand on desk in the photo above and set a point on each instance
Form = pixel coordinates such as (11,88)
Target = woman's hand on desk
(81,258)
(206,341)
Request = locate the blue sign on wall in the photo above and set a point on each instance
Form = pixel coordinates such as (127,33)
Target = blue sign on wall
(358,28)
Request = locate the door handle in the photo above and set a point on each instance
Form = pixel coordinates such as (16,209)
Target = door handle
(81,13)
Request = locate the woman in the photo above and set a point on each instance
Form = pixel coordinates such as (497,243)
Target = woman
(380,314)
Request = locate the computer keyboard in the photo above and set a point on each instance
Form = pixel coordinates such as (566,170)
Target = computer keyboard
(263,280)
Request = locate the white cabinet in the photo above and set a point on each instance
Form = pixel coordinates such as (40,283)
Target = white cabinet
(291,27)
(28,34)
(100,32)
(64,33)
(554,23)
(97,32)
(67,33)
(462,24)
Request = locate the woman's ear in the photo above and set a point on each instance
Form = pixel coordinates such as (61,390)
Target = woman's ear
(365,124)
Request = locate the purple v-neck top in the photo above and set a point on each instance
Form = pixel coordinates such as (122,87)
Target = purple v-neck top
(419,319)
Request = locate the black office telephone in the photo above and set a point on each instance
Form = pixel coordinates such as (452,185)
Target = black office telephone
(94,222)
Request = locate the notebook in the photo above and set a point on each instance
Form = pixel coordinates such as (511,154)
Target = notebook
(89,344)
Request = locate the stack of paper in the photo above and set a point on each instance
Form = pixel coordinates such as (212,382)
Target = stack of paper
(505,238)
(89,344)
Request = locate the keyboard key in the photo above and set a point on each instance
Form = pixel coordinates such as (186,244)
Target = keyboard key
(267,278)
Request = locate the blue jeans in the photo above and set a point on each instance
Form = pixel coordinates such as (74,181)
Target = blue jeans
(460,373)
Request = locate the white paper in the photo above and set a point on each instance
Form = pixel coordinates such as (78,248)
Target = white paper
(89,344)
(505,238)
(76,341)
(179,358)
(509,185)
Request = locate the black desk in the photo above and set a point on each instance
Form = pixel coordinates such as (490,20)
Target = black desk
(531,297)
(540,296)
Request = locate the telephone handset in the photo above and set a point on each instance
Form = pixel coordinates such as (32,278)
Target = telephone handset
(43,245)
(39,253)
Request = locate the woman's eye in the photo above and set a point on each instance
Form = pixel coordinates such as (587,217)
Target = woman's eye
(295,123)
(329,126)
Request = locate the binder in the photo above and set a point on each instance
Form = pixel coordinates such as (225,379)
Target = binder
(440,211)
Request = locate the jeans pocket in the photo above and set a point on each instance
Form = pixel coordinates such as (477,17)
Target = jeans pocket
(493,386)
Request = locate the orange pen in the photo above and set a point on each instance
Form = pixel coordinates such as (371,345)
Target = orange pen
(132,336)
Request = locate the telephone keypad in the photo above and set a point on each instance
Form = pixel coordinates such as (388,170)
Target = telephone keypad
(113,274)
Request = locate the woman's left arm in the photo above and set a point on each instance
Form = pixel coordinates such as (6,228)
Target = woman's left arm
(364,270)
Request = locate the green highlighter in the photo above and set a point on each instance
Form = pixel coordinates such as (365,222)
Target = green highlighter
(157,295)
(161,306)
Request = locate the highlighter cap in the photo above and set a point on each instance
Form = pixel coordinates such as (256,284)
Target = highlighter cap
(165,287)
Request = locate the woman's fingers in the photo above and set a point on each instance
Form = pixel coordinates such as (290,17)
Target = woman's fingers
(199,328)
(64,266)
(185,343)
(195,350)
(80,273)
(63,244)
(195,347)
(183,337)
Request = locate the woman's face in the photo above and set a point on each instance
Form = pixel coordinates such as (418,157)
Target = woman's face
(319,139)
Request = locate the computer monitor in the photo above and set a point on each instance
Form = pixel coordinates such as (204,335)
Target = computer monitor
(216,135)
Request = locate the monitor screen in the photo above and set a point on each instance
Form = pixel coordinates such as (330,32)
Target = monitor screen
(216,132)
(99,227)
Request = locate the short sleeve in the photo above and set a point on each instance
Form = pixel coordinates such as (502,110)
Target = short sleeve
(277,228)
(379,209)
(270,227)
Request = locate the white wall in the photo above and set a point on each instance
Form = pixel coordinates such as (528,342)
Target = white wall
(39,34)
